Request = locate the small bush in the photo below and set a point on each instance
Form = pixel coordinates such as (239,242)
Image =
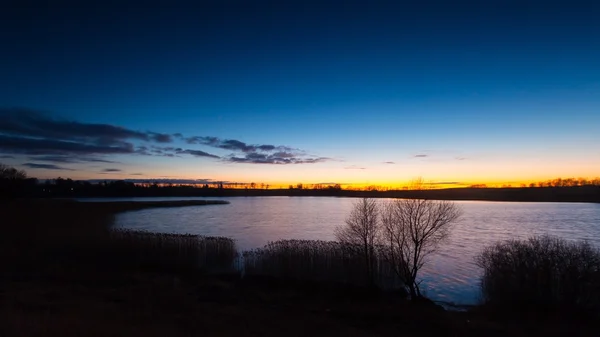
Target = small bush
(544,273)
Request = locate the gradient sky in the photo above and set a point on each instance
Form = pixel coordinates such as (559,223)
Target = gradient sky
(345,92)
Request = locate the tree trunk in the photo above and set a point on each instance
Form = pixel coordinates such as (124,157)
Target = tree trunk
(413,291)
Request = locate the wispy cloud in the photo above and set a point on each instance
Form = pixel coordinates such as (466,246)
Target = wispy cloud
(389,162)
(277,158)
(67,159)
(445,183)
(137,174)
(7,157)
(169,181)
(234,145)
(45,138)
(197,153)
(244,153)
(421,155)
(354,167)
(46,166)
(107,170)
(32,132)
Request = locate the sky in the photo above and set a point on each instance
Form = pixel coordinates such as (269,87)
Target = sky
(282,92)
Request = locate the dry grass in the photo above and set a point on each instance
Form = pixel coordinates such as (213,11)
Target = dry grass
(542,274)
(159,251)
(55,238)
(321,261)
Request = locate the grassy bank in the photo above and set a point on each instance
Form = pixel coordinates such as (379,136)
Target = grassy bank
(44,237)
(65,273)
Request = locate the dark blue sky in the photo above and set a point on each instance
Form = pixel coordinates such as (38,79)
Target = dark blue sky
(469,85)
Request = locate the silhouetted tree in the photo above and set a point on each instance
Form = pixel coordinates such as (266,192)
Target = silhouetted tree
(13,182)
(11,173)
(413,229)
(361,232)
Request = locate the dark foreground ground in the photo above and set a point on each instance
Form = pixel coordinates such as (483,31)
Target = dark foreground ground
(51,286)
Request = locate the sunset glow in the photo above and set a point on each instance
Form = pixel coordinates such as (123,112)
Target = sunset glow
(278,104)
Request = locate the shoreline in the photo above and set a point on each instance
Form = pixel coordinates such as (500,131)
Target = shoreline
(576,194)
(185,197)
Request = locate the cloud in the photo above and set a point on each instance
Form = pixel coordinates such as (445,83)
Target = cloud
(111,170)
(66,159)
(35,146)
(46,167)
(259,158)
(25,131)
(137,174)
(197,153)
(160,137)
(354,167)
(445,183)
(44,138)
(420,156)
(31,123)
(460,158)
(234,145)
(168,181)
(251,153)
(389,162)
(6,157)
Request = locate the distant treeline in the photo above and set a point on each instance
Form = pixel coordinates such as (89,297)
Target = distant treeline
(78,189)
(15,184)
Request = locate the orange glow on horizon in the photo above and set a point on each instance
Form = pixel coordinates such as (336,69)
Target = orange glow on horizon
(398,186)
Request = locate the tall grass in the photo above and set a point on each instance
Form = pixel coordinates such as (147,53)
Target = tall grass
(318,261)
(160,251)
(543,272)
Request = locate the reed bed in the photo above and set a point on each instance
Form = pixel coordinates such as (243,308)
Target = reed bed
(161,251)
(544,272)
(316,261)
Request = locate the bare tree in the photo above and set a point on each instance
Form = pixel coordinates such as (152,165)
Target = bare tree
(413,229)
(11,173)
(361,232)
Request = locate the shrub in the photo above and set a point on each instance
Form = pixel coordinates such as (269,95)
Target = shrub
(544,273)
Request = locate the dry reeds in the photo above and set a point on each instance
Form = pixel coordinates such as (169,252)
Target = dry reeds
(319,261)
(161,251)
(543,272)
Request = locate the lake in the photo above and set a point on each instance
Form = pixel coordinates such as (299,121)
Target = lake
(450,276)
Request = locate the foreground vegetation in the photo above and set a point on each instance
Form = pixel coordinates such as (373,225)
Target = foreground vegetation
(542,274)
(328,262)
(65,273)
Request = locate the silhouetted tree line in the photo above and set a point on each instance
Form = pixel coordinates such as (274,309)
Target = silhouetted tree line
(568,182)
(331,187)
(15,184)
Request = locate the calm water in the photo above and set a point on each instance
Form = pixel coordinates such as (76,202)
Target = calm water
(450,276)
